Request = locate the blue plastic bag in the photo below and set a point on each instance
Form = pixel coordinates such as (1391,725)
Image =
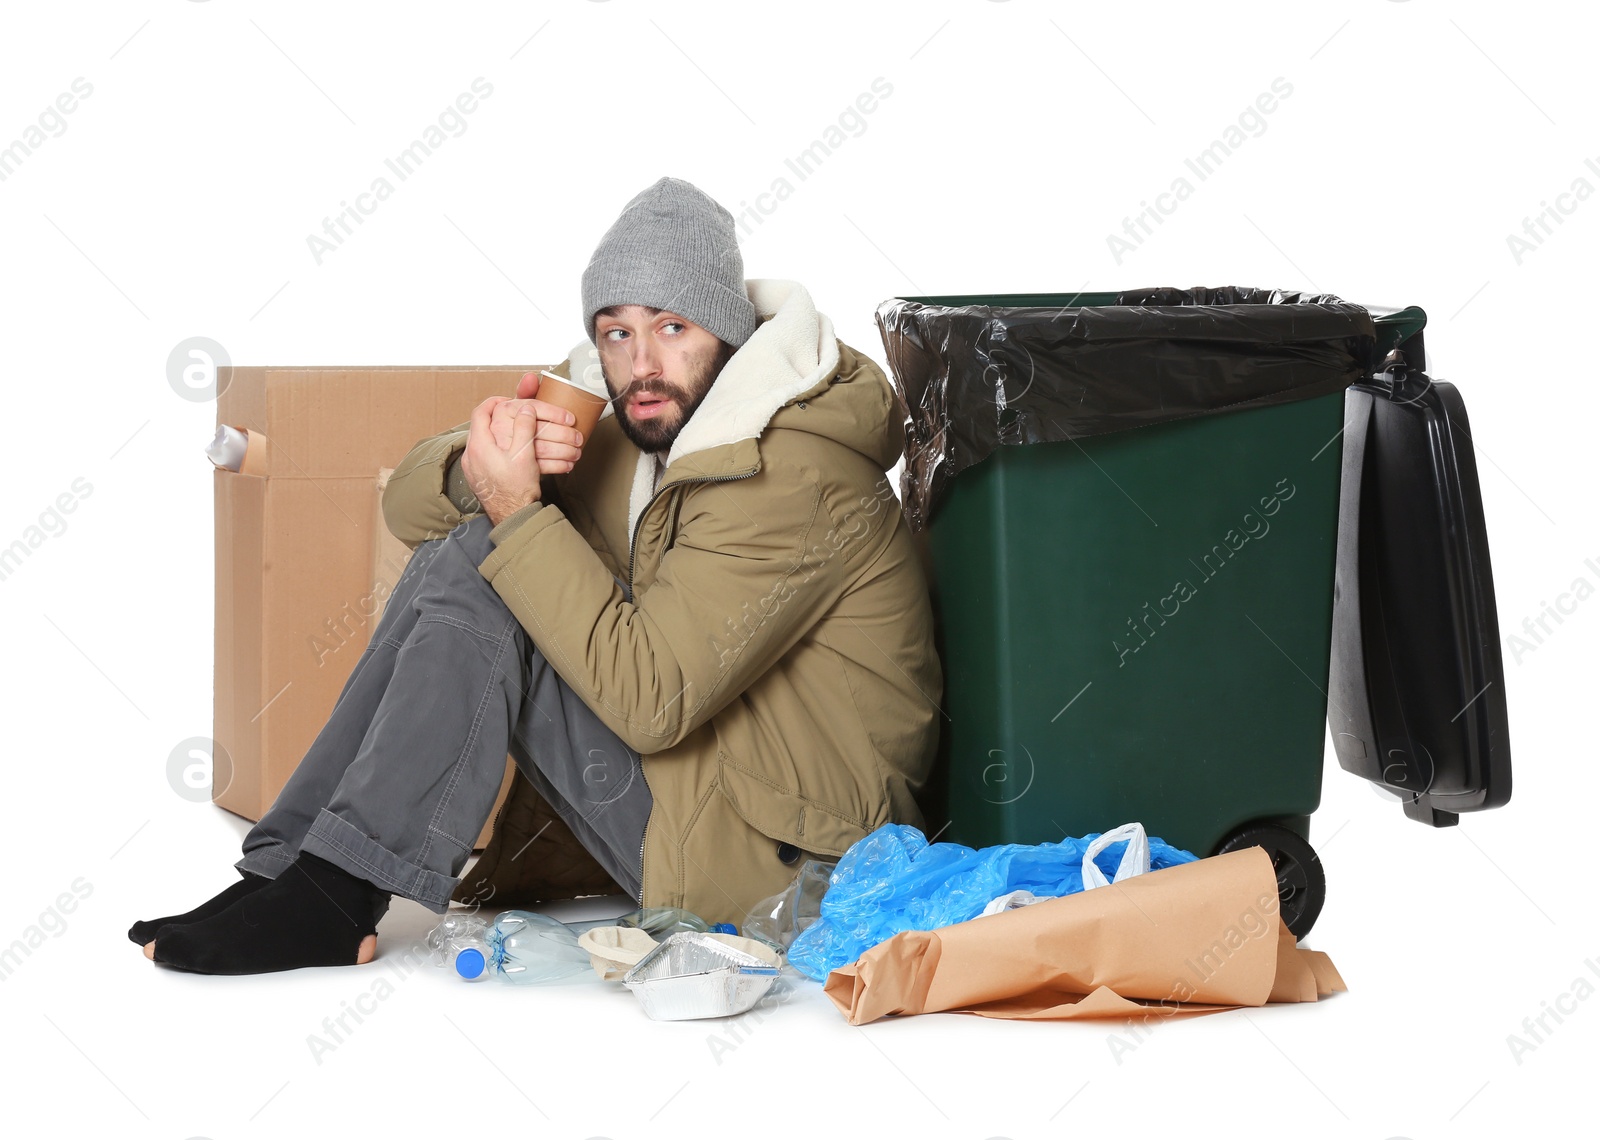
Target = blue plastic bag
(894,880)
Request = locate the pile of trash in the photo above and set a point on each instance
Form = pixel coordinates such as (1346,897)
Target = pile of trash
(1006,925)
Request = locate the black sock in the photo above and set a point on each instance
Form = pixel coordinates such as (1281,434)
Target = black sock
(313,914)
(143,931)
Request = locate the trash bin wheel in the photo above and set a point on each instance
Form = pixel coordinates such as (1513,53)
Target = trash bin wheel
(1302,886)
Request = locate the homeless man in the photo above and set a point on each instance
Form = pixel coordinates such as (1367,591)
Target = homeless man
(704,633)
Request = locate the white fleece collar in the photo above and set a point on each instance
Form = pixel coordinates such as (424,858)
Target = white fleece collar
(791,350)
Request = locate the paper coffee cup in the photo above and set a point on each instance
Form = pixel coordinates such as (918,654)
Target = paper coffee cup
(584,405)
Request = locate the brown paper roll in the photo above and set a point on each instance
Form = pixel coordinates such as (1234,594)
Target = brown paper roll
(1196,938)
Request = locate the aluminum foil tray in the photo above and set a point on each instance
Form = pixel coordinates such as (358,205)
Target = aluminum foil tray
(698,975)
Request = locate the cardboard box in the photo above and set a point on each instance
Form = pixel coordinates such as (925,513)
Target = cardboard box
(300,555)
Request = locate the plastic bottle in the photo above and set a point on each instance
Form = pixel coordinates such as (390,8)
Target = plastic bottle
(522,947)
(660,921)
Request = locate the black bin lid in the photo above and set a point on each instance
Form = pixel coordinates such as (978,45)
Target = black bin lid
(1416,684)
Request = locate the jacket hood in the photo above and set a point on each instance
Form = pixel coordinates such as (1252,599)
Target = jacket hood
(792,354)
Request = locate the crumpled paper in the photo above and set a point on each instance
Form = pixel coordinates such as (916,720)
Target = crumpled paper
(1197,938)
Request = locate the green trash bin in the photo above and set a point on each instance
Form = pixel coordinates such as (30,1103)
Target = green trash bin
(1130,505)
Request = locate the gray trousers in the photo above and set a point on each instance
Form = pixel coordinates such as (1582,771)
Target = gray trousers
(399,782)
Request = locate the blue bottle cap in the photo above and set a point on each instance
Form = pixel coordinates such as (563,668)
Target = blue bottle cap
(469,963)
(724,928)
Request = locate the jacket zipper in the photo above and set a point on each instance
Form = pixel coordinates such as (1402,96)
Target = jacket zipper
(633,547)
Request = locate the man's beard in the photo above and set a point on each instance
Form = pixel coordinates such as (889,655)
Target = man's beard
(658,433)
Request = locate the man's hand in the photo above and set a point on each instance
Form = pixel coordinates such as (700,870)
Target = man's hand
(491,446)
(551,443)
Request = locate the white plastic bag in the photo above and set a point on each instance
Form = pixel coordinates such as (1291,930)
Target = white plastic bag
(1135,859)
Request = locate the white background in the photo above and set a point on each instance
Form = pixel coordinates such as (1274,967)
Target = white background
(218,136)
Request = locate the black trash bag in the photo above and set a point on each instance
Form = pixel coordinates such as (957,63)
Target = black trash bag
(977,377)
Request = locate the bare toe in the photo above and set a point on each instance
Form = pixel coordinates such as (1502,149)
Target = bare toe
(150,949)
(369,947)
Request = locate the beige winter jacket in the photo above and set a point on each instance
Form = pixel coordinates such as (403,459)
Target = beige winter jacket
(773,662)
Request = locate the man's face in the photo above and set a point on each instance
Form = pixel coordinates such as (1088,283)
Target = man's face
(658,367)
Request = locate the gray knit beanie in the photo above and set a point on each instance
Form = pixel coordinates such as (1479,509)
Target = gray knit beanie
(673,248)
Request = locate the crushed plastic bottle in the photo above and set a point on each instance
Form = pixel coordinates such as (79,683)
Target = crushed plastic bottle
(519,946)
(779,919)
(660,921)
(454,933)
